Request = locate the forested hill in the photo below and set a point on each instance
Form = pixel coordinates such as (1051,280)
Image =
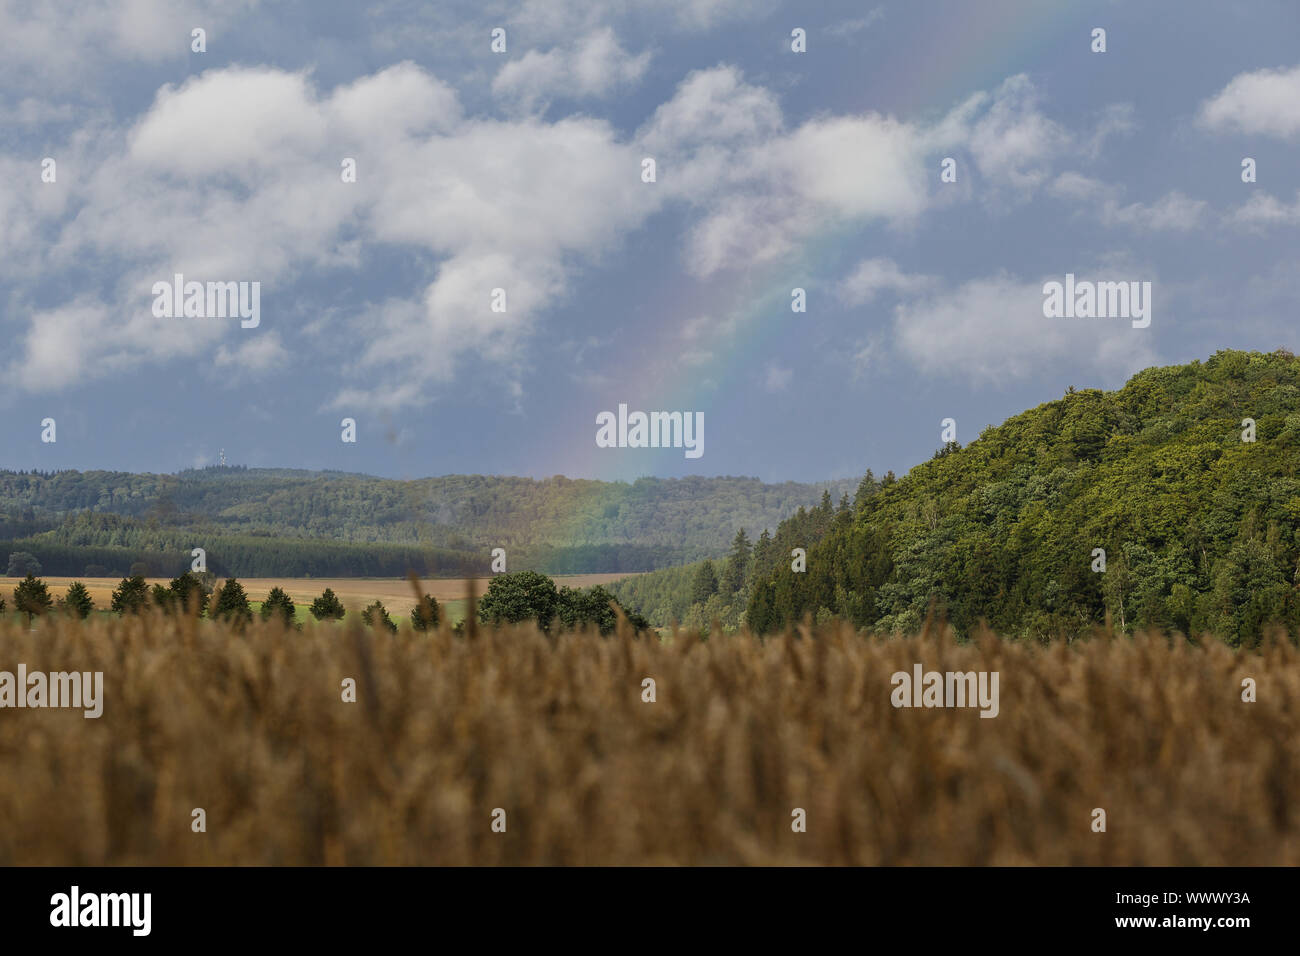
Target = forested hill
(287,522)
(1199,526)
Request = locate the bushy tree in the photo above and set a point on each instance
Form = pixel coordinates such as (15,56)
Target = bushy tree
(425,615)
(278,605)
(23,563)
(32,597)
(232,603)
(327,607)
(376,614)
(519,596)
(77,601)
(131,596)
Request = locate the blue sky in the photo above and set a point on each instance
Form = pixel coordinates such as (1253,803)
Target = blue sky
(522,170)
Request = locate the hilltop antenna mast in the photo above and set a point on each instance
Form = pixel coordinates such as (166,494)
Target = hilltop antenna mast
(223,458)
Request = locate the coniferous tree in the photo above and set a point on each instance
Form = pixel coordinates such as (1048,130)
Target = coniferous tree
(376,614)
(77,601)
(425,615)
(327,607)
(32,597)
(190,594)
(278,605)
(737,568)
(131,596)
(232,603)
(705,584)
(162,597)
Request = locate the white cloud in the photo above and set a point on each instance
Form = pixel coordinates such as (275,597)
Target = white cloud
(1264,102)
(259,352)
(1115,120)
(595,67)
(1078,187)
(853,26)
(991,330)
(60,44)
(1174,212)
(1262,210)
(873,276)
(1013,142)
(234,175)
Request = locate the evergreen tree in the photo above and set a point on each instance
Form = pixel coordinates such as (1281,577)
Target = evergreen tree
(327,607)
(77,601)
(425,615)
(162,597)
(32,597)
(278,605)
(737,567)
(131,596)
(190,594)
(232,603)
(376,614)
(705,584)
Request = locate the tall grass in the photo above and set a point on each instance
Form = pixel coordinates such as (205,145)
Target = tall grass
(251,727)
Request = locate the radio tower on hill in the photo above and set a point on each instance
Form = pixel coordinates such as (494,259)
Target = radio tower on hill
(223,458)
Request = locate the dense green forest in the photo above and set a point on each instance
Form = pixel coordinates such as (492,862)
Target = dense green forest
(286,523)
(1198,523)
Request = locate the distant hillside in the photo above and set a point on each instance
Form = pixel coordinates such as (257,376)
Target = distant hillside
(281,522)
(1199,527)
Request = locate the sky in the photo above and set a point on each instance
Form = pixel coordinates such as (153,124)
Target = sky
(523,170)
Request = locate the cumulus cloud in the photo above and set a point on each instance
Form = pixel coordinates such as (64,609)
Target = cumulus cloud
(991,330)
(235,175)
(595,67)
(1263,102)
(873,276)
(1174,211)
(1262,210)
(255,355)
(60,44)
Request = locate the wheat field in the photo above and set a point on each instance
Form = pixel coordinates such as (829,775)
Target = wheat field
(446,729)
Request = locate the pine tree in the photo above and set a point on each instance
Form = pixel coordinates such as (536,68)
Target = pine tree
(376,614)
(737,567)
(425,615)
(705,584)
(278,605)
(327,607)
(131,596)
(190,594)
(232,603)
(32,597)
(78,600)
